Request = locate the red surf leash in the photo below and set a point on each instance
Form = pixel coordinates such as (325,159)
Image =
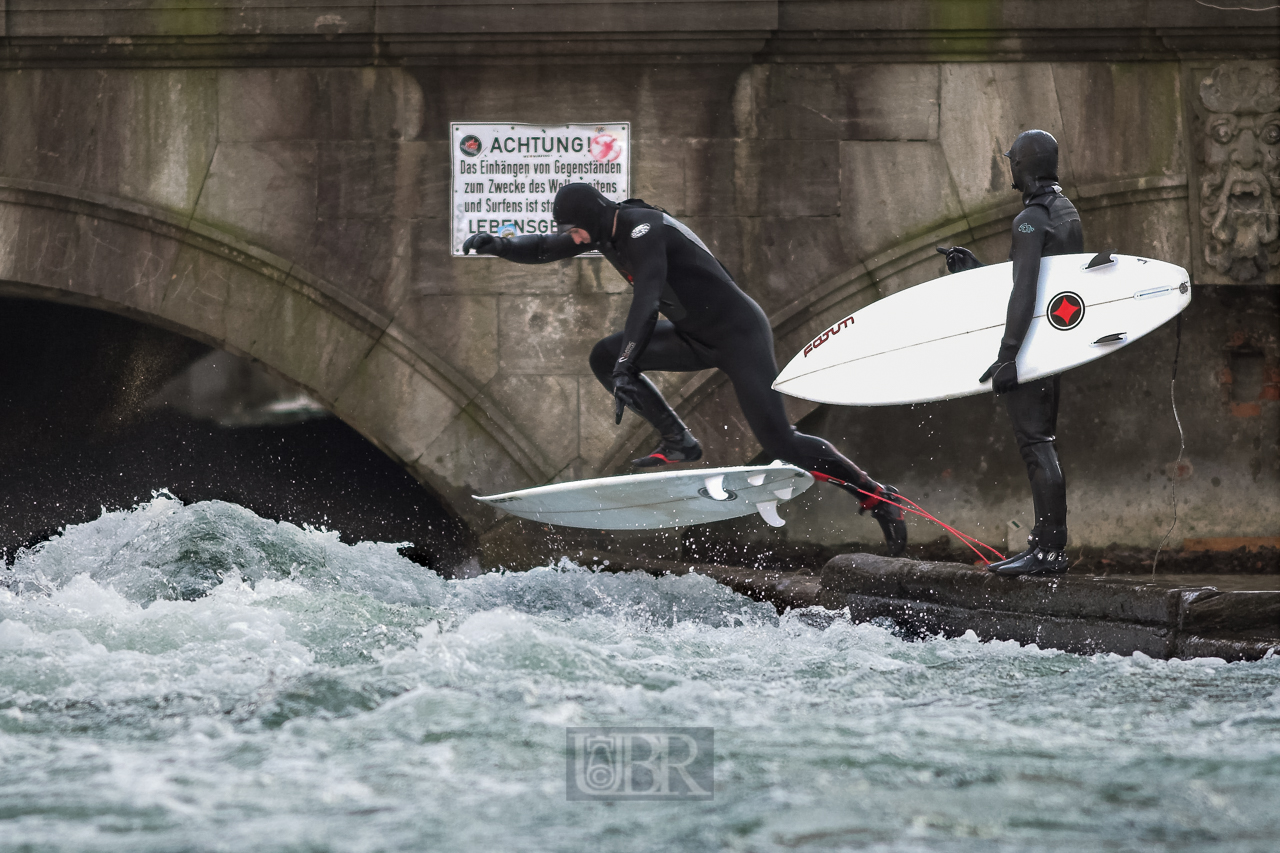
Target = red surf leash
(914,507)
(964,537)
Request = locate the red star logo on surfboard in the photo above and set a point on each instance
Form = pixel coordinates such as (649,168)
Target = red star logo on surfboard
(1066,310)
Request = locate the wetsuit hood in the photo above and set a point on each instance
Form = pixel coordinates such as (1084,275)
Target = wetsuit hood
(583,206)
(1033,158)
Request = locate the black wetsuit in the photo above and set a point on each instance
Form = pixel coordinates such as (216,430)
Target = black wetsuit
(710,322)
(1048,225)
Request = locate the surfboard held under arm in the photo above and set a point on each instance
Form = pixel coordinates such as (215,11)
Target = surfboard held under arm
(933,341)
(661,499)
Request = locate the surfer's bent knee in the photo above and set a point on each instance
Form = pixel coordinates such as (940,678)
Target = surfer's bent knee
(602,357)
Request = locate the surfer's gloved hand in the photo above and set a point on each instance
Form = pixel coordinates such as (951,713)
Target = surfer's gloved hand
(1003,376)
(484,244)
(960,259)
(627,391)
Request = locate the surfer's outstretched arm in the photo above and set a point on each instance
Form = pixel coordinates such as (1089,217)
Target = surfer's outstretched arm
(527,248)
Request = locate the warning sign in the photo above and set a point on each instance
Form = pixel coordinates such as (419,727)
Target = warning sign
(505,175)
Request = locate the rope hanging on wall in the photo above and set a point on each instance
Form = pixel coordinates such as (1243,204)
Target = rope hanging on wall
(1182,442)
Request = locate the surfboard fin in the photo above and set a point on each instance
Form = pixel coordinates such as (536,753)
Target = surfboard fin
(769,512)
(715,487)
(1101,260)
(756,479)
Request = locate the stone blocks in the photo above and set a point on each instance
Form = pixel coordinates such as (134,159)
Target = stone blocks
(896,102)
(911,177)
(984,108)
(1075,613)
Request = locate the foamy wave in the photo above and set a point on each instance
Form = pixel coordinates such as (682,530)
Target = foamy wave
(196,677)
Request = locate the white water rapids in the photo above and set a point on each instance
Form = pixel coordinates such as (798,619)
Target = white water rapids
(197,678)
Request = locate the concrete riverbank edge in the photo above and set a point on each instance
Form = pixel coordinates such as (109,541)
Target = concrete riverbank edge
(1084,614)
(1076,613)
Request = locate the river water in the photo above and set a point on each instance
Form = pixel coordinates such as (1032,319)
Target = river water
(197,678)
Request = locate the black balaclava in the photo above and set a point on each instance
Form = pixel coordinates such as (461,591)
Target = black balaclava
(1034,160)
(583,206)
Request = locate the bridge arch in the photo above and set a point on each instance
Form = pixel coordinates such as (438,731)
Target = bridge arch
(131,259)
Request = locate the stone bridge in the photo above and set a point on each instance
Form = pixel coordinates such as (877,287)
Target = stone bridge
(272,177)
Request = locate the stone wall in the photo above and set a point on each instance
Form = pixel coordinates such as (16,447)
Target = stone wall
(272,178)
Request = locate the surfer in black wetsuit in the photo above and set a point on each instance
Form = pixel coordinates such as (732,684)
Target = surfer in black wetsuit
(709,322)
(1047,225)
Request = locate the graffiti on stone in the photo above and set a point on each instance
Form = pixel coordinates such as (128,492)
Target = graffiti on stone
(1237,135)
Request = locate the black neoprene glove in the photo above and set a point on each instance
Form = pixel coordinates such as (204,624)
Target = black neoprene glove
(959,259)
(626,392)
(1003,376)
(485,244)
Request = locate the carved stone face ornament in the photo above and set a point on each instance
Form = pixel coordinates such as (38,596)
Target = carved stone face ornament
(1240,185)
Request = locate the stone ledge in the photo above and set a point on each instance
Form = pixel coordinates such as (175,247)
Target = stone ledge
(209,32)
(1080,636)
(624,48)
(1237,610)
(963,586)
(1227,648)
(1085,614)
(804,18)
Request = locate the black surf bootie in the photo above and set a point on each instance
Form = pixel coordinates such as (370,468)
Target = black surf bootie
(1036,560)
(681,447)
(893,523)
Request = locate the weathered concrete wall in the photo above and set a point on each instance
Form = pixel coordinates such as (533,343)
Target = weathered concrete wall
(272,178)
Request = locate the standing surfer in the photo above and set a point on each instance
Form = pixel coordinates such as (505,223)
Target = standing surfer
(1047,225)
(710,322)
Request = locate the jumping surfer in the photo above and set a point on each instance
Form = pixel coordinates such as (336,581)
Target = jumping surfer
(1047,225)
(710,322)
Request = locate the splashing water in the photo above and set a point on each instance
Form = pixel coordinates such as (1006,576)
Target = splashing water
(198,678)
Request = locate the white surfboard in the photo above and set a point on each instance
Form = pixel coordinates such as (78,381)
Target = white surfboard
(661,499)
(933,341)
